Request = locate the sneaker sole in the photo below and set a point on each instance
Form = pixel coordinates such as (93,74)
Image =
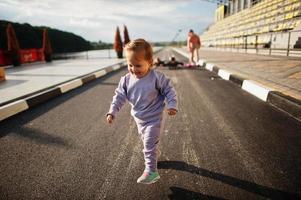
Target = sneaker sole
(153,181)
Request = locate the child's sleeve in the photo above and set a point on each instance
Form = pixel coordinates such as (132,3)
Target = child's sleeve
(119,98)
(167,89)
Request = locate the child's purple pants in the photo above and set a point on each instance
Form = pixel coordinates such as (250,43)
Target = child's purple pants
(150,135)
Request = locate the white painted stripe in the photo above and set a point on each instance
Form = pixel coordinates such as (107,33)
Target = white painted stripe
(209,66)
(256,89)
(12,109)
(100,73)
(224,74)
(116,67)
(70,85)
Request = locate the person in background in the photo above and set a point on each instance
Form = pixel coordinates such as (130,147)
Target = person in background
(173,63)
(159,63)
(193,45)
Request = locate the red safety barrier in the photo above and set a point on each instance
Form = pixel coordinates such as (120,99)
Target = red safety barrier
(40,55)
(31,55)
(27,56)
(16,56)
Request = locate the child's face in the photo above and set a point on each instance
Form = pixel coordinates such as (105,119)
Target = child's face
(137,65)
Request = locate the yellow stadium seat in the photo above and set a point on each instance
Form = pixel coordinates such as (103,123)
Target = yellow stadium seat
(284,26)
(288,8)
(293,24)
(297,13)
(289,15)
(295,6)
(263,17)
(266,29)
(278,27)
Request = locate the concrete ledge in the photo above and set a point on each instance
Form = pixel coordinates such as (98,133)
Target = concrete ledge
(100,73)
(224,74)
(116,67)
(109,69)
(70,85)
(209,66)
(283,102)
(256,89)
(236,79)
(44,96)
(202,63)
(215,69)
(12,109)
(88,78)
(18,106)
(14,106)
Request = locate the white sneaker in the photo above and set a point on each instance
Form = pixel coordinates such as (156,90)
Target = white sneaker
(148,177)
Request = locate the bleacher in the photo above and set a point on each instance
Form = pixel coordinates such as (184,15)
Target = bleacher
(256,25)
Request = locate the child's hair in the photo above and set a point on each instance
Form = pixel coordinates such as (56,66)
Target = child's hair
(140,45)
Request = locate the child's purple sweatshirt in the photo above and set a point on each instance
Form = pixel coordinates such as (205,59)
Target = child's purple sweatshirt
(146,95)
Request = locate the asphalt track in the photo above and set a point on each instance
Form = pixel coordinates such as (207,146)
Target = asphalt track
(223,144)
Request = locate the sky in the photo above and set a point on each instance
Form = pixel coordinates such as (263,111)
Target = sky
(95,20)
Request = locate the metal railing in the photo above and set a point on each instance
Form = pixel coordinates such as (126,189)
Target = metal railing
(275,43)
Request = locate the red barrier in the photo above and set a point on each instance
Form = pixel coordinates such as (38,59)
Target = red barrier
(16,56)
(27,56)
(40,55)
(32,55)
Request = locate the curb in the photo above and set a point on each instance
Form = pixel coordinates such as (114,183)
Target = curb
(281,101)
(20,105)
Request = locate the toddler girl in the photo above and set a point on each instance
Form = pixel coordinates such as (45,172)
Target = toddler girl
(146,90)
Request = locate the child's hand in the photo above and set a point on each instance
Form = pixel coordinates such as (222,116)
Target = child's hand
(110,118)
(171,111)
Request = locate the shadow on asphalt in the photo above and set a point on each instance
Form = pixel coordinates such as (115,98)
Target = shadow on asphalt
(184,194)
(42,137)
(109,83)
(242,184)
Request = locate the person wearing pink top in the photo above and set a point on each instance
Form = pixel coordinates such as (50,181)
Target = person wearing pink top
(193,45)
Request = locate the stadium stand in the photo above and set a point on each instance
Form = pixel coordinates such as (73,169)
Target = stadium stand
(257,24)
